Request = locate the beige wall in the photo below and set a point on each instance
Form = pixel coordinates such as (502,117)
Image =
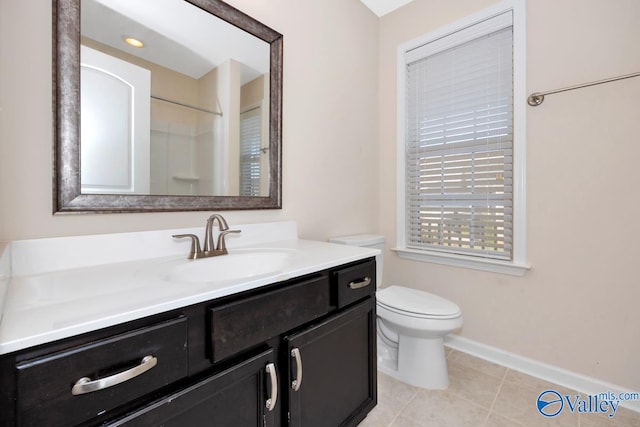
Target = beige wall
(578,307)
(330,159)
(252,93)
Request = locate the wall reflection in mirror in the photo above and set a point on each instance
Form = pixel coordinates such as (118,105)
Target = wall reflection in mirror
(171,106)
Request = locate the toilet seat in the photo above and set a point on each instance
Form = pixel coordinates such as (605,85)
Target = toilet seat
(416,303)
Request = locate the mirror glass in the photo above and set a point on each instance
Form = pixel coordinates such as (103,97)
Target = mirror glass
(180,107)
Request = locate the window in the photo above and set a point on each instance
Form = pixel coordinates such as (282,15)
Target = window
(462,144)
(250,150)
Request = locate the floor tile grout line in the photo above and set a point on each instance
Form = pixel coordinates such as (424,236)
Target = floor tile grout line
(469,401)
(466,399)
(495,398)
(415,393)
(504,381)
(447,391)
(502,378)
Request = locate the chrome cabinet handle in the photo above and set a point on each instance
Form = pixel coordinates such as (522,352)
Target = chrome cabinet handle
(87,385)
(271,401)
(295,384)
(360,283)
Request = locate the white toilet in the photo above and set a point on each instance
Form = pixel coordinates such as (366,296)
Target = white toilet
(411,326)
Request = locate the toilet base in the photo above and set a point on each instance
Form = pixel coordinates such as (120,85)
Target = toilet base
(420,362)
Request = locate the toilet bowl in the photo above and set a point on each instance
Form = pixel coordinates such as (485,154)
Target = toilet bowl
(420,321)
(411,327)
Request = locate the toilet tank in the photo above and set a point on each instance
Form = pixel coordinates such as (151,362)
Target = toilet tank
(375,241)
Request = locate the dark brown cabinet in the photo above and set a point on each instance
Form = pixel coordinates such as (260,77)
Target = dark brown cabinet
(232,397)
(334,369)
(73,385)
(299,353)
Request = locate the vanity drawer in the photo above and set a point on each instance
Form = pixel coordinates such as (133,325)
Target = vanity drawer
(45,385)
(242,324)
(353,283)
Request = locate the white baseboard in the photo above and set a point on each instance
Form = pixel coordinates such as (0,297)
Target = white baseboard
(563,377)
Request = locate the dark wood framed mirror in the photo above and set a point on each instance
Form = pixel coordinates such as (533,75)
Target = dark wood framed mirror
(70,192)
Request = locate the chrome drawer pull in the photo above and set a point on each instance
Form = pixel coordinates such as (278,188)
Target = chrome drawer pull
(295,384)
(271,402)
(86,385)
(361,283)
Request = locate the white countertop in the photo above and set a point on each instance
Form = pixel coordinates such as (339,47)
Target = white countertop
(41,307)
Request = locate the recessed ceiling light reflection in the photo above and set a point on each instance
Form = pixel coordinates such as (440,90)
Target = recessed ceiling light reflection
(131,41)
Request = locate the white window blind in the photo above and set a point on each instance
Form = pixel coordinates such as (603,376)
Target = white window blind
(250,139)
(459,142)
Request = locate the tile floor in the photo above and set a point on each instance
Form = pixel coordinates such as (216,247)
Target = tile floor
(480,394)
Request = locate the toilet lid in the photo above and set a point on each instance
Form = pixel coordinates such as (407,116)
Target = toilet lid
(417,302)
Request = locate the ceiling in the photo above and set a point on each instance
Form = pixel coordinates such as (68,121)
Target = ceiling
(382,7)
(177,35)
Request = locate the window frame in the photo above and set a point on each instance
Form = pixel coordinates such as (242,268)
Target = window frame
(250,159)
(517,265)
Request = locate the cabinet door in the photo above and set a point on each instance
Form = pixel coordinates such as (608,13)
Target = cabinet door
(333,365)
(235,397)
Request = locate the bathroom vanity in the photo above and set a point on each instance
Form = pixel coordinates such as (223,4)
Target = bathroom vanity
(292,346)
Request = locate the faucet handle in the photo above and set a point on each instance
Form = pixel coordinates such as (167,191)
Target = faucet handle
(195,251)
(222,247)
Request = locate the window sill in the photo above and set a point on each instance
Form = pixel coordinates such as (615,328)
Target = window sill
(494,266)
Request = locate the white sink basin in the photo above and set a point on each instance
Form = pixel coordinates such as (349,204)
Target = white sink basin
(239,264)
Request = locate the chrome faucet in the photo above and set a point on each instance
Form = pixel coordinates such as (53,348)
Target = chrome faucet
(209,249)
(208,231)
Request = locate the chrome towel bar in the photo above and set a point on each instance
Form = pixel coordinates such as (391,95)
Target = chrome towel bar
(182,104)
(537,98)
